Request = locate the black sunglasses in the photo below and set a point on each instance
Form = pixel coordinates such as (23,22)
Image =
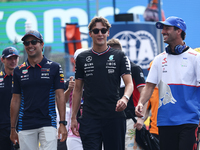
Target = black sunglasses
(96,31)
(33,42)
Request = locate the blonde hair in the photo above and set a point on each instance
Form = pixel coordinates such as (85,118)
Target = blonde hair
(104,21)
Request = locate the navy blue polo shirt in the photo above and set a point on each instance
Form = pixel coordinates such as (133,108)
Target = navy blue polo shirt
(37,87)
(101,73)
(5,99)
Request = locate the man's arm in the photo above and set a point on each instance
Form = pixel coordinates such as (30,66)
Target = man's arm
(14,112)
(144,97)
(122,103)
(61,104)
(140,121)
(76,101)
(69,89)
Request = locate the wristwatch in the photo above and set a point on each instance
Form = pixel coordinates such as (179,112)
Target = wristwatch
(63,122)
(126,97)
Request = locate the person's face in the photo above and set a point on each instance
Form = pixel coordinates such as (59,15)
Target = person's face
(33,50)
(100,38)
(169,34)
(10,62)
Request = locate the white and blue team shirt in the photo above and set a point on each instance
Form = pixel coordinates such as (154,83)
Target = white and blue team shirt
(37,87)
(177,77)
(101,73)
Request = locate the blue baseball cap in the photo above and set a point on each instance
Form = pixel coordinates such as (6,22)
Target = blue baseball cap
(172,21)
(34,33)
(9,51)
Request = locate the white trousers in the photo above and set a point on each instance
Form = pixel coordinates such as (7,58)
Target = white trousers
(47,136)
(74,143)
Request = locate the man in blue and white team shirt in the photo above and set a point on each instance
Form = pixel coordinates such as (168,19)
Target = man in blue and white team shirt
(176,71)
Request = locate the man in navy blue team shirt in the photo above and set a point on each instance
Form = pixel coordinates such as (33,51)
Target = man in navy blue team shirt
(36,84)
(9,58)
(100,70)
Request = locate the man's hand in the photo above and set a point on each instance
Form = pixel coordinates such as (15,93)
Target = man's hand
(14,136)
(74,127)
(62,131)
(139,123)
(139,109)
(71,83)
(121,104)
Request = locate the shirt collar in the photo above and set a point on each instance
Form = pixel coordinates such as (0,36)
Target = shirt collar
(101,52)
(44,60)
(4,74)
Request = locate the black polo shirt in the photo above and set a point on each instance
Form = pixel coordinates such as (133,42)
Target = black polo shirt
(37,87)
(5,99)
(101,73)
(138,81)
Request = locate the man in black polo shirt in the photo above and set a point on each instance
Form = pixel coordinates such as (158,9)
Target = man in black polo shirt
(9,58)
(99,70)
(36,84)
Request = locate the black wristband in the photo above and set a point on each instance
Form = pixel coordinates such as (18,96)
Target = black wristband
(63,122)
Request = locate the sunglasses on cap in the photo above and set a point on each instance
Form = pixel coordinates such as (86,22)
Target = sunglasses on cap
(33,42)
(96,31)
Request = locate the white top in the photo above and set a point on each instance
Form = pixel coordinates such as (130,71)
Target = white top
(177,77)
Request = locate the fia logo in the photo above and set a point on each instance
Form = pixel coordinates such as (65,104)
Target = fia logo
(140,46)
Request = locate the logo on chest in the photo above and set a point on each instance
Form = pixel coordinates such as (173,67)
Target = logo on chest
(45,73)
(25,71)
(1,79)
(111,64)
(24,77)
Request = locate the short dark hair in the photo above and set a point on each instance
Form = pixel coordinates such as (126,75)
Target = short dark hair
(183,34)
(104,21)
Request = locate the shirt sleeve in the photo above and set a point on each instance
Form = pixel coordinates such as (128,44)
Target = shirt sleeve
(16,83)
(59,78)
(125,65)
(153,76)
(79,72)
(138,75)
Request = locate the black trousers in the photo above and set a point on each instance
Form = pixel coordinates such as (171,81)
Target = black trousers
(181,137)
(5,142)
(61,145)
(110,132)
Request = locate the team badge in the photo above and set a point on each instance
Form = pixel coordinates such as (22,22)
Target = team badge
(111,57)
(25,71)
(22,65)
